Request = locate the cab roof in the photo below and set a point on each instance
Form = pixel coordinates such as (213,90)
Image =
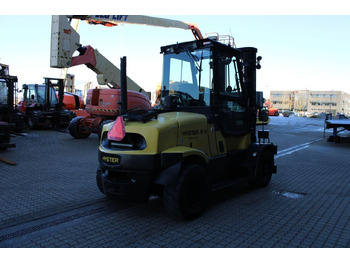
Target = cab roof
(196,44)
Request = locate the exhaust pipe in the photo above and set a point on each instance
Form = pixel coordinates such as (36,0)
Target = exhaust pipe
(123,87)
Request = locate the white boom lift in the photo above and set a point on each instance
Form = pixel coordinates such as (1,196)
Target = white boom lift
(65,40)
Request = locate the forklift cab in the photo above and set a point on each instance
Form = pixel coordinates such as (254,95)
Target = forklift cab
(212,78)
(35,94)
(44,96)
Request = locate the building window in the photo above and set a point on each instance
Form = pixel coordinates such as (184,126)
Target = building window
(324,95)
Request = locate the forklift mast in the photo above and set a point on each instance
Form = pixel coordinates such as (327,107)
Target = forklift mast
(250,63)
(8,115)
(52,84)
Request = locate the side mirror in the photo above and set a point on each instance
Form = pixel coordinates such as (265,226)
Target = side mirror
(258,59)
(263,115)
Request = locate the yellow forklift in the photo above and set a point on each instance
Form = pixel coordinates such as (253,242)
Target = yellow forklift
(200,138)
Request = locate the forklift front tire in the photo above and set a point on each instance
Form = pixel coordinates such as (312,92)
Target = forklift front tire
(264,170)
(32,121)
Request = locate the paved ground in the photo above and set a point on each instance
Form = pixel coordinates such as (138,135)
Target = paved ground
(50,199)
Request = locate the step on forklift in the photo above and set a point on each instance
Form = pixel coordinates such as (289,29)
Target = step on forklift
(200,138)
(41,106)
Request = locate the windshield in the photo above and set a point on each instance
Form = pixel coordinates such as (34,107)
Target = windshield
(188,74)
(39,95)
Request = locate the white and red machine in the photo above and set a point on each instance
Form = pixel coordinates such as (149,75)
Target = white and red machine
(101,104)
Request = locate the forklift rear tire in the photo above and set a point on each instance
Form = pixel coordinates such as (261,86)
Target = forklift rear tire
(74,128)
(190,196)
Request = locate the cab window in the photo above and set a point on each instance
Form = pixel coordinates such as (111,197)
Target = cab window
(188,75)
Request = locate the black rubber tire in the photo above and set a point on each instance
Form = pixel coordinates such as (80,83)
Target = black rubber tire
(99,184)
(337,139)
(264,169)
(190,196)
(32,121)
(74,128)
(330,139)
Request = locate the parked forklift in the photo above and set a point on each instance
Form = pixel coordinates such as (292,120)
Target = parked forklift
(200,138)
(10,117)
(42,107)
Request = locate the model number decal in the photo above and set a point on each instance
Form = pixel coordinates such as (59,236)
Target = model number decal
(194,132)
(105,103)
(109,159)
